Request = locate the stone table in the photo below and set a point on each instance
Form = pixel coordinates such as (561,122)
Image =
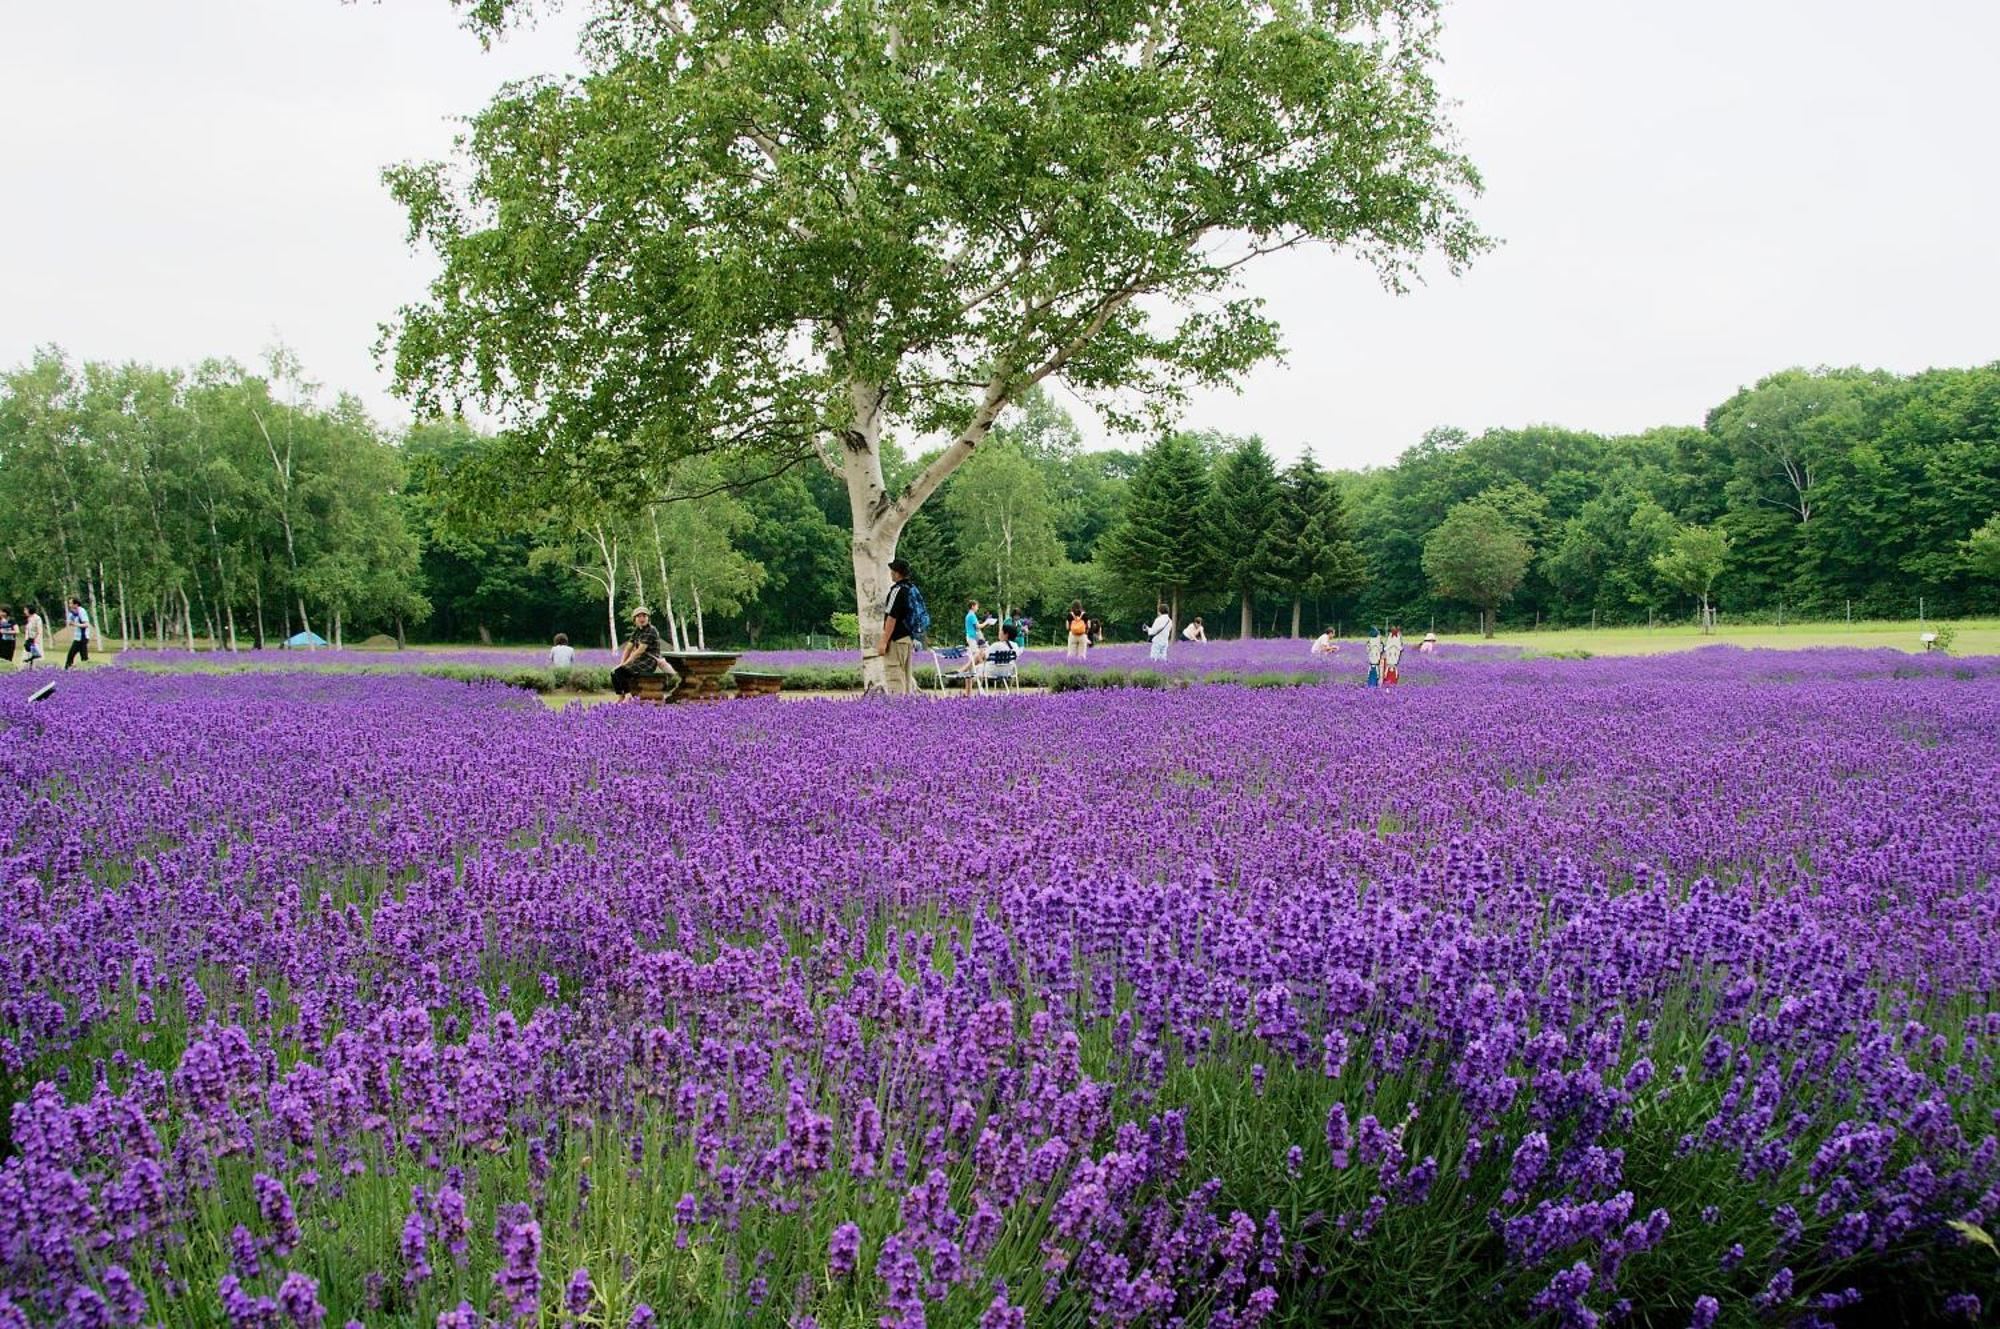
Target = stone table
(701,673)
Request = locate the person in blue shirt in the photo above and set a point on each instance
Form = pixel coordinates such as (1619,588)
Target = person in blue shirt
(79,642)
(973,636)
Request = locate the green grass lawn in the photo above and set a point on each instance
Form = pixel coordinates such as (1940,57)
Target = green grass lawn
(1972,636)
(1980,636)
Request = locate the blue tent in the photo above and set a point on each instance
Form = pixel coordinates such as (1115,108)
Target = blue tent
(305,639)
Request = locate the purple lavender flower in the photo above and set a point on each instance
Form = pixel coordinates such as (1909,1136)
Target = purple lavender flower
(128,1303)
(843,1249)
(519,1277)
(1001,1313)
(1338,1137)
(245,1253)
(298,1297)
(1776,1292)
(274,1205)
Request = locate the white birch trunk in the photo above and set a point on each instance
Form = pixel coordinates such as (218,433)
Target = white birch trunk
(607,550)
(877,520)
(673,623)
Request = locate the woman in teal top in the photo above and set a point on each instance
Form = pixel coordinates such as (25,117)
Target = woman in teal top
(972,622)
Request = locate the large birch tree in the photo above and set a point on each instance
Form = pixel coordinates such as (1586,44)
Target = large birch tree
(794,228)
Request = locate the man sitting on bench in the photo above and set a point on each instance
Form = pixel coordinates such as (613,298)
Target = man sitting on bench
(642,655)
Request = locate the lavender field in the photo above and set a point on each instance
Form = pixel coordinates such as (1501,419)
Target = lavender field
(1648,992)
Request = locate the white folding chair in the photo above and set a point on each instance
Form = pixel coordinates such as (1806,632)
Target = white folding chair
(1002,670)
(953,664)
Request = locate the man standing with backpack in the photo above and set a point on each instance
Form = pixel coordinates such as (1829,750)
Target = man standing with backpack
(904,621)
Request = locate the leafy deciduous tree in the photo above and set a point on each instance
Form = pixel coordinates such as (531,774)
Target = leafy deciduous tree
(1692,561)
(1006,528)
(1477,554)
(798,228)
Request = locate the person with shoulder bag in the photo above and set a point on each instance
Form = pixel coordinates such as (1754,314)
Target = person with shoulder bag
(1079,632)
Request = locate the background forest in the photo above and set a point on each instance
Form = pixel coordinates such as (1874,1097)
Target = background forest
(227,504)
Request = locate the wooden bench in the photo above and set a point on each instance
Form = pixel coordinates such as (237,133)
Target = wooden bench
(756,684)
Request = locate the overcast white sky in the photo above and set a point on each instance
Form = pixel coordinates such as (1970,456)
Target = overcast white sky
(1689,195)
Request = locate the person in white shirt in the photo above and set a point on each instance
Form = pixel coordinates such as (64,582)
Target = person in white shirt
(999,659)
(1374,657)
(1161,633)
(1428,645)
(1324,644)
(31,636)
(1392,655)
(1194,631)
(562,655)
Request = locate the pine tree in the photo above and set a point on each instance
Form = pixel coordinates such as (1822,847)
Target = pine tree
(1242,523)
(1160,545)
(1314,552)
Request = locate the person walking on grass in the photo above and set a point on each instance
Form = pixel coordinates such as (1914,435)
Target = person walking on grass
(1079,632)
(1160,632)
(902,622)
(10,636)
(79,642)
(1392,655)
(641,657)
(31,636)
(1374,657)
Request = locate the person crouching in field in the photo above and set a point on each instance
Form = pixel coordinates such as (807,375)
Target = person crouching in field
(562,655)
(1324,644)
(1079,632)
(642,655)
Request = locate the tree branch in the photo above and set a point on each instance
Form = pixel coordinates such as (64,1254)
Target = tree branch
(998,392)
